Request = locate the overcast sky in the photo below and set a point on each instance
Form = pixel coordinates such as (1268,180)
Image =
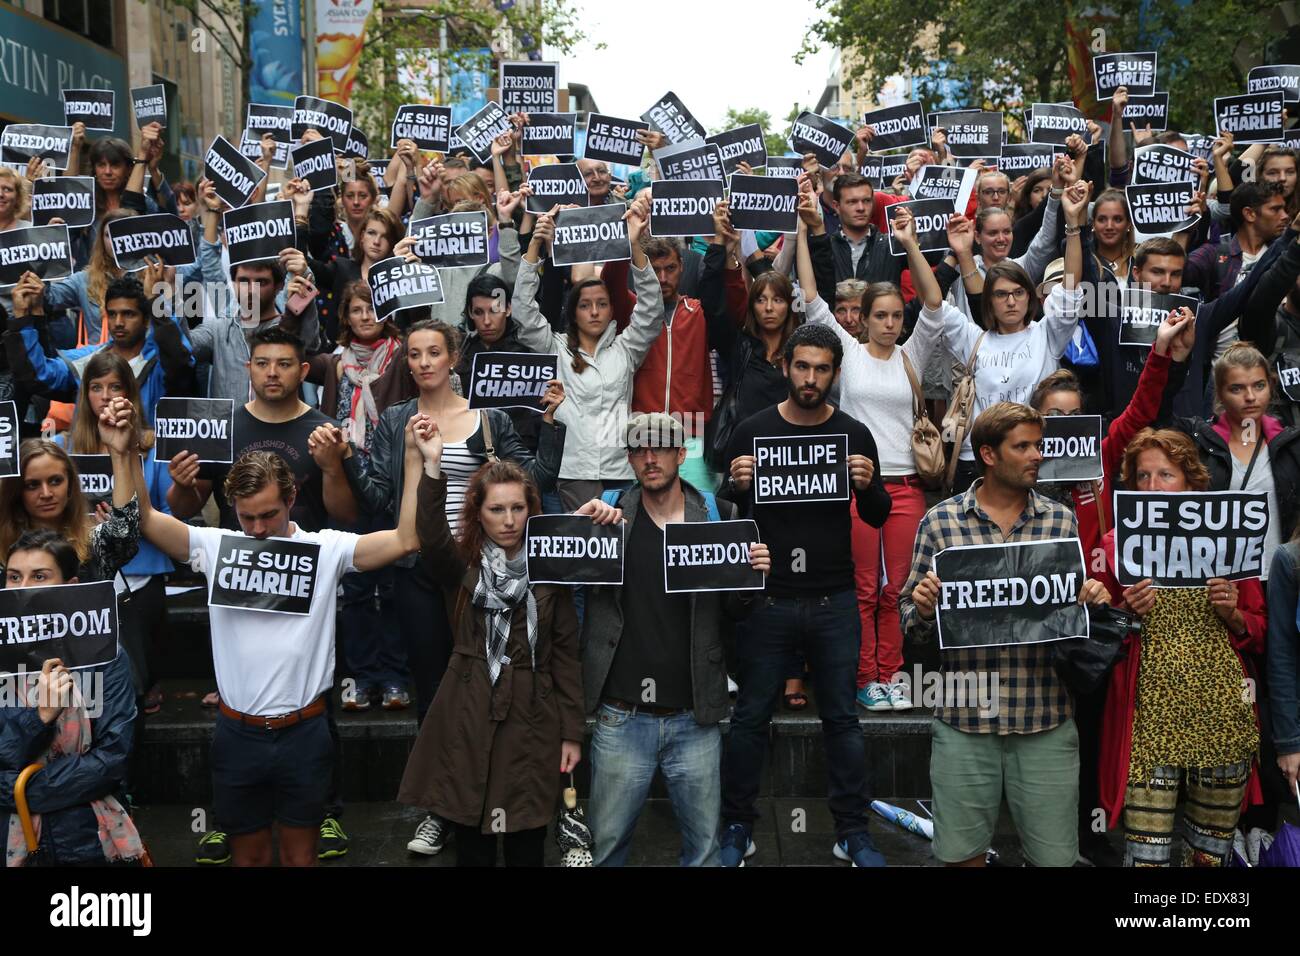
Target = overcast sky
(712,55)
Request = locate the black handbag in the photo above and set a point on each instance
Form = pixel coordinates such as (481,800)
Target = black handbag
(722,423)
(1083,663)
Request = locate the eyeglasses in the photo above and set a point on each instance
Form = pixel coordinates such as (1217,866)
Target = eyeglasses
(994,191)
(1001,295)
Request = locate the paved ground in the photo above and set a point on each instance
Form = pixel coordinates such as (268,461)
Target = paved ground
(379,834)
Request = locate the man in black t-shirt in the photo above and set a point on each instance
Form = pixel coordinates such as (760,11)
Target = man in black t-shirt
(810,602)
(652,662)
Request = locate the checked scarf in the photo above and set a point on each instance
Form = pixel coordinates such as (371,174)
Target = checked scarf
(502,587)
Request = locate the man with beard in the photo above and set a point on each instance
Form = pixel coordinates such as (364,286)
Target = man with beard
(652,661)
(810,604)
(1025,745)
(150,340)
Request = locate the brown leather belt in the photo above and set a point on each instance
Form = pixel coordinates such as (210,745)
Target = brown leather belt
(643,708)
(314,709)
(900,479)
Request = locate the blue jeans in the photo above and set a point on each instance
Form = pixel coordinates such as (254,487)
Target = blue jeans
(828,630)
(625,750)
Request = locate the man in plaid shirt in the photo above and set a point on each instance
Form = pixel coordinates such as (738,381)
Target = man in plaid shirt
(1024,741)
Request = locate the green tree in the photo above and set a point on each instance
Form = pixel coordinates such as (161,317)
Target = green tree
(1005,54)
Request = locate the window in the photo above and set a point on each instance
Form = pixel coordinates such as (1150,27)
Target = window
(92,19)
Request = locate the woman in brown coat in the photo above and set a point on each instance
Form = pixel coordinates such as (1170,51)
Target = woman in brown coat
(507,719)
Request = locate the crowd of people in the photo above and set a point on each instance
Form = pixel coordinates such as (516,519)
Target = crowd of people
(353,434)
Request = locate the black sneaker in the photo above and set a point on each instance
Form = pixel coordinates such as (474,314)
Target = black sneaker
(1096,850)
(333,841)
(214,848)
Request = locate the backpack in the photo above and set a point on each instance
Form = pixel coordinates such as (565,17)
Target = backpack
(612,496)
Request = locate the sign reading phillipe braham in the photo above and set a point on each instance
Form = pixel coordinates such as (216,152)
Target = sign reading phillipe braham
(510,379)
(396,284)
(1185,539)
(801,468)
(163,235)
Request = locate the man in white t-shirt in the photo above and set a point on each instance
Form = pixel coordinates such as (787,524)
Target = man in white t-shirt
(271,756)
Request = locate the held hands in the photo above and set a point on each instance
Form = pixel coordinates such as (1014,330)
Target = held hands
(600,513)
(810,213)
(1177,334)
(723,234)
(327,448)
(53,690)
(638,219)
(508,202)
(29,295)
(903,226)
(1221,149)
(423,434)
(552,399)
(1074,201)
(961,235)
(116,426)
(861,470)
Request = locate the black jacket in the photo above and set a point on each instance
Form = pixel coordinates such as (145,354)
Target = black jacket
(876,265)
(1283,455)
(527,424)
(378,490)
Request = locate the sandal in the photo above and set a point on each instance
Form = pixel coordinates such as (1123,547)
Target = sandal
(153,700)
(211,699)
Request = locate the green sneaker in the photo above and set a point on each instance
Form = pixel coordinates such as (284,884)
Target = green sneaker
(333,841)
(214,848)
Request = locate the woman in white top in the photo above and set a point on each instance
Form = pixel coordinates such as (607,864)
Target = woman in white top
(875,388)
(596,363)
(1015,352)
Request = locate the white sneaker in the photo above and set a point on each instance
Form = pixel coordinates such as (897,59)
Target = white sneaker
(898,698)
(430,836)
(732,687)
(878,697)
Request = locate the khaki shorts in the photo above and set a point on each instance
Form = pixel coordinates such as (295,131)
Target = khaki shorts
(1038,774)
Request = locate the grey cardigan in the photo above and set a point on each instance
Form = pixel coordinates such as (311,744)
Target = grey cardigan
(602,626)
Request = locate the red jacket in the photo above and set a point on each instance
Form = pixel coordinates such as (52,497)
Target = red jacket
(676,375)
(1121,696)
(1140,412)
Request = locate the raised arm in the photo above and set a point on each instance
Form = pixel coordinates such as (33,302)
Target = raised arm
(534,331)
(648,314)
(381,548)
(167,534)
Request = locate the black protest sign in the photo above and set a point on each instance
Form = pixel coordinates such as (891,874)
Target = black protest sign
(710,556)
(930,217)
(557,184)
(270,574)
(780,166)
(1158,163)
(95,108)
(791,468)
(250,147)
(883,170)
(1277,76)
(972,135)
(530,86)
(1135,71)
(262,118)
(932,119)
(744,144)
(510,379)
(824,138)
(1147,111)
(95,475)
(1199,145)
(149,104)
(1251,117)
(1291,139)
(953,183)
(76,623)
(258,232)
(594,234)
(233,175)
(670,116)
(45,250)
(198,426)
(691,161)
(1053,124)
(332,120)
(479,130)
(1160,209)
(613,140)
(161,234)
(1287,363)
(1182,540)
(9,440)
(396,284)
(1141,313)
(429,127)
(550,134)
(70,198)
(314,162)
(358,146)
(998,595)
(571,549)
(897,127)
(22,142)
(764,203)
(1071,448)
(452,241)
(1021,159)
(683,208)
